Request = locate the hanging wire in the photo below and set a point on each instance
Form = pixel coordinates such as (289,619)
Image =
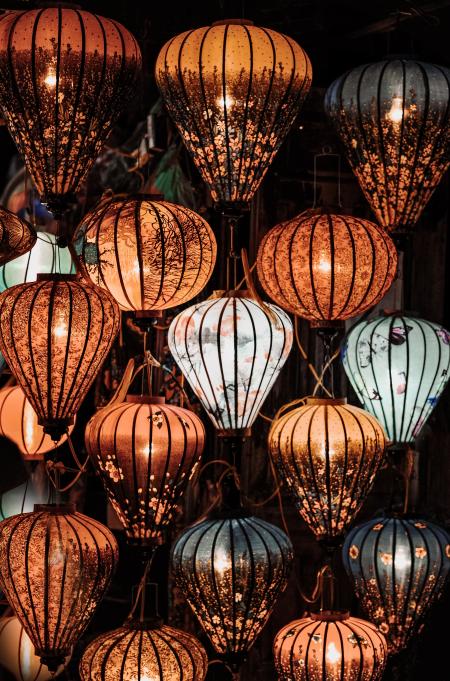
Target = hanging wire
(326,151)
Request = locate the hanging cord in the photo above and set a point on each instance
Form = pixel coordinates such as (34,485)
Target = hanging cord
(407,475)
(229,469)
(55,469)
(140,596)
(327,364)
(305,357)
(326,152)
(232,257)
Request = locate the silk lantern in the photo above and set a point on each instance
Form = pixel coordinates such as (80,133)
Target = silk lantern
(17,236)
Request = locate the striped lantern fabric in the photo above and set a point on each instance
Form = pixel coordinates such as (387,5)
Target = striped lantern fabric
(328,453)
(55,566)
(55,334)
(330,646)
(326,267)
(399,367)
(231,350)
(399,566)
(234,91)
(17,236)
(393,117)
(146,452)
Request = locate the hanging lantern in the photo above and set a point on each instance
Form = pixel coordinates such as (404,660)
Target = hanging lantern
(399,566)
(65,75)
(55,334)
(17,236)
(234,91)
(146,452)
(399,367)
(150,255)
(326,267)
(55,566)
(231,350)
(328,453)
(393,117)
(332,646)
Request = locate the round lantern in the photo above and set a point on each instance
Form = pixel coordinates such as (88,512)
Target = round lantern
(65,75)
(232,567)
(399,566)
(146,452)
(326,267)
(150,255)
(328,453)
(399,367)
(331,646)
(17,236)
(55,334)
(55,566)
(231,350)
(233,90)
(393,117)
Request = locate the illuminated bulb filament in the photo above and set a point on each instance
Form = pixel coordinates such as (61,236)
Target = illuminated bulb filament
(50,79)
(333,655)
(221,562)
(396,112)
(227,101)
(402,561)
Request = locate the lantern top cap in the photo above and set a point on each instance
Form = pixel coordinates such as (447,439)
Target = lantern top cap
(55,509)
(330,616)
(145,399)
(235,22)
(322,401)
(44,276)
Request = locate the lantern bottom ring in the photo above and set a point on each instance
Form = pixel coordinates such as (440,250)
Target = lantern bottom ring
(234,432)
(327,325)
(56,427)
(53,662)
(59,204)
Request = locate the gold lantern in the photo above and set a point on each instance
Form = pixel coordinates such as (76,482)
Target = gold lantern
(17,236)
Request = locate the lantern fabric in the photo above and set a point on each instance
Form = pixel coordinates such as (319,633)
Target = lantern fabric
(55,566)
(150,255)
(17,236)
(233,90)
(399,566)
(328,453)
(55,334)
(231,350)
(146,452)
(326,267)
(393,117)
(399,367)
(65,75)
(330,646)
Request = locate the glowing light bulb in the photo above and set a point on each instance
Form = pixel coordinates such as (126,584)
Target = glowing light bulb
(402,560)
(221,561)
(60,329)
(396,111)
(333,655)
(227,101)
(324,266)
(50,79)
(29,425)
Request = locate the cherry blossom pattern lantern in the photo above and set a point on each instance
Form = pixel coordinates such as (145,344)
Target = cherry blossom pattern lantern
(55,334)
(17,236)
(328,453)
(234,91)
(231,349)
(393,117)
(326,267)
(146,452)
(399,367)
(399,566)
(330,646)
(65,75)
(55,566)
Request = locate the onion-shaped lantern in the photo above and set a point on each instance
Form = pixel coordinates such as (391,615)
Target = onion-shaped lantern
(55,334)
(399,566)
(19,422)
(17,236)
(332,646)
(326,267)
(65,75)
(146,452)
(55,566)
(393,117)
(233,90)
(328,453)
(231,350)
(399,367)
(150,255)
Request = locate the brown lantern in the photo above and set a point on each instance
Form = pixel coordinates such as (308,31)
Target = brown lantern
(65,75)
(55,334)
(326,267)
(55,566)
(17,236)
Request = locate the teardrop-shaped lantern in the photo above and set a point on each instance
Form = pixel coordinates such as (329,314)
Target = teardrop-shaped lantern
(17,236)
(328,453)
(55,334)
(233,90)
(399,367)
(231,350)
(393,117)
(65,75)
(326,267)
(399,566)
(150,255)
(146,452)
(330,646)
(55,566)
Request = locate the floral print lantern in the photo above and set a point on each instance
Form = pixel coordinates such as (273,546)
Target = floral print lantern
(17,236)
(234,91)
(399,367)
(231,349)
(399,566)
(393,117)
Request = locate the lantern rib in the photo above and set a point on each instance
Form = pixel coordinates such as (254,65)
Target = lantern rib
(140,255)
(184,251)
(345,464)
(19,609)
(27,579)
(12,347)
(76,375)
(70,626)
(57,94)
(420,595)
(410,435)
(117,253)
(240,182)
(236,364)
(346,625)
(225,112)
(54,643)
(209,624)
(353,493)
(224,302)
(251,609)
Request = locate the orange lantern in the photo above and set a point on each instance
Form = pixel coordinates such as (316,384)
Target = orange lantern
(17,236)
(326,267)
